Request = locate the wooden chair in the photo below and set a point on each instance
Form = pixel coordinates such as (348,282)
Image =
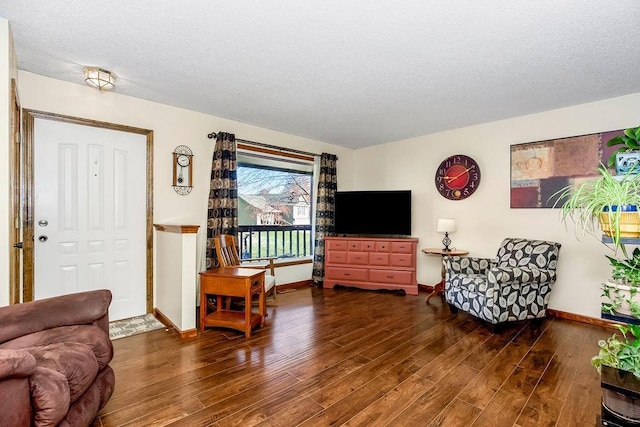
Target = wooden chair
(227,253)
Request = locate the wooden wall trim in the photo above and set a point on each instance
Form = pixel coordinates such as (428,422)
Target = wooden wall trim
(189,333)
(582,319)
(295,285)
(27,206)
(28,118)
(425,288)
(87,122)
(149,134)
(280,153)
(15,198)
(176,228)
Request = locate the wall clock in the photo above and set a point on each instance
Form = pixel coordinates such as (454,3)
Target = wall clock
(182,169)
(457,177)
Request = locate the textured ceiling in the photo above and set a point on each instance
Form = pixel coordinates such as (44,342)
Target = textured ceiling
(353,73)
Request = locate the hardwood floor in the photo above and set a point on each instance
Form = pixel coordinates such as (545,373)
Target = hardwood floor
(359,358)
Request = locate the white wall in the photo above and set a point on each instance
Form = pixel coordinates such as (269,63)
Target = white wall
(485,218)
(172,127)
(7,72)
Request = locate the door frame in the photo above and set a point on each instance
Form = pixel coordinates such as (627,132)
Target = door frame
(28,119)
(15,228)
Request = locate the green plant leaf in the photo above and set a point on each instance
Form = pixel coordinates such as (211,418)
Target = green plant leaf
(616,140)
(635,331)
(633,144)
(631,133)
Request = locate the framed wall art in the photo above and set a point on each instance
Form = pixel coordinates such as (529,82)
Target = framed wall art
(540,169)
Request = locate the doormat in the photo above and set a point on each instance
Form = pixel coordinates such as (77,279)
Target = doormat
(133,326)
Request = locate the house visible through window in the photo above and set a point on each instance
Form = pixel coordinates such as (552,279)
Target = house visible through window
(274,205)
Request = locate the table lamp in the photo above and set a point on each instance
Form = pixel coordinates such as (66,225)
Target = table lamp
(446,226)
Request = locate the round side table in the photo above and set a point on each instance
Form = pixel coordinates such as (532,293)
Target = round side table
(438,288)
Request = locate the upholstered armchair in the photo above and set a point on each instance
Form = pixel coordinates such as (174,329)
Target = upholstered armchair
(54,360)
(516,285)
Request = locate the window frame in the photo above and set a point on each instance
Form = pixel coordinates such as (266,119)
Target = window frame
(258,157)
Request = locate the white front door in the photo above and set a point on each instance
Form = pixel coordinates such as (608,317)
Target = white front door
(90,213)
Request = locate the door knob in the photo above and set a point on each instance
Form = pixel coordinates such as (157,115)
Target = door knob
(43,238)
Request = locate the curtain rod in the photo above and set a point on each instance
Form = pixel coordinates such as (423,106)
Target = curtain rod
(213,135)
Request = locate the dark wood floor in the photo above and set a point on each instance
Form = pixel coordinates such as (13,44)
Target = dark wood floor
(358,358)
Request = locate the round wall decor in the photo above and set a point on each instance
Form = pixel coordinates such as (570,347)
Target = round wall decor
(457,177)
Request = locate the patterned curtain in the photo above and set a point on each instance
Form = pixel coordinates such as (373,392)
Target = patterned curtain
(223,194)
(325,208)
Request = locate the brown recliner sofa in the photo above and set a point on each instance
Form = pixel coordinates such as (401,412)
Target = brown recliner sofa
(54,360)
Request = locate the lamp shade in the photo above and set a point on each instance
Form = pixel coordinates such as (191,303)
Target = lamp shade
(99,78)
(446,225)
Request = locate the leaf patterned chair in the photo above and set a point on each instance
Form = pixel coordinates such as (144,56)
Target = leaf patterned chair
(516,285)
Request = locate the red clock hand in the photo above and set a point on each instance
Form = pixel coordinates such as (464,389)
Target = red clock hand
(452,178)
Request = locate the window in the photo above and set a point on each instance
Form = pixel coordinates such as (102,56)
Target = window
(274,205)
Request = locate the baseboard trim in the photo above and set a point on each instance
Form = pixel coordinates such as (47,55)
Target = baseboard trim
(189,333)
(295,285)
(429,288)
(583,319)
(425,288)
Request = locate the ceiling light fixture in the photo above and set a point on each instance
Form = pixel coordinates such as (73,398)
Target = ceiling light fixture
(99,78)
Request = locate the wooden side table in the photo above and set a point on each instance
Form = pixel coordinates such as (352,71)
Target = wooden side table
(438,288)
(232,282)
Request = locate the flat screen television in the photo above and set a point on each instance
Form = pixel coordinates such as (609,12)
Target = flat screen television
(374,213)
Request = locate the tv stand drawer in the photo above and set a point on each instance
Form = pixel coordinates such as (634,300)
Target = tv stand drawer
(401,260)
(391,276)
(337,245)
(338,273)
(361,258)
(402,247)
(336,257)
(379,258)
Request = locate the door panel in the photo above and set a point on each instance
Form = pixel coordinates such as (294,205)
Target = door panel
(90,213)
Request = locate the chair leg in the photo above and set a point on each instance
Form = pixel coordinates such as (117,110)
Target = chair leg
(452,308)
(497,328)
(537,323)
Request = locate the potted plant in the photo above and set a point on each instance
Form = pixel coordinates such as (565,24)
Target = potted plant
(622,288)
(621,352)
(612,201)
(626,156)
(618,362)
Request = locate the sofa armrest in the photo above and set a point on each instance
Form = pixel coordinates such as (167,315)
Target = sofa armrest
(15,402)
(16,364)
(83,308)
(466,265)
(520,276)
